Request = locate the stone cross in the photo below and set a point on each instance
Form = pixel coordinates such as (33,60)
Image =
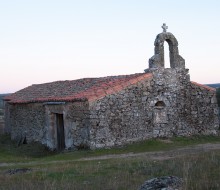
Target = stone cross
(164,27)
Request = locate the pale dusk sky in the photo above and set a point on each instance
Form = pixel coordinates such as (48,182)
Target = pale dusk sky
(49,40)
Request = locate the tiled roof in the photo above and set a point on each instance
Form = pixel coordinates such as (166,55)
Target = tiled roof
(203,86)
(89,89)
(75,90)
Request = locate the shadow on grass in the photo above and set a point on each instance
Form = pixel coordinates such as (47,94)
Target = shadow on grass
(10,151)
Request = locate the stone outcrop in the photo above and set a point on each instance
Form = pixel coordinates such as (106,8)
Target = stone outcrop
(163,183)
(18,171)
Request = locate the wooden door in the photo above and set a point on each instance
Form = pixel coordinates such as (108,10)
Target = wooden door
(60,132)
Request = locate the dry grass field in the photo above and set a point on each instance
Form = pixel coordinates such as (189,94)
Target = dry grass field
(32,166)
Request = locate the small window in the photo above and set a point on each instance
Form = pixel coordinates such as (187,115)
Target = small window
(160,104)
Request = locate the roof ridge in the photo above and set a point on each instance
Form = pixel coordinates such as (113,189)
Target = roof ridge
(103,77)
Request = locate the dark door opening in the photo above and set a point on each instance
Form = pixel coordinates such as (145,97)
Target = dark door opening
(60,132)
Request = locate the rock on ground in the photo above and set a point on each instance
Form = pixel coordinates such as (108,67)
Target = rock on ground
(163,183)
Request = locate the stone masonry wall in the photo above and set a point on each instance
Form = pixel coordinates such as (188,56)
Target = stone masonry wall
(27,120)
(204,113)
(77,125)
(7,126)
(37,122)
(166,105)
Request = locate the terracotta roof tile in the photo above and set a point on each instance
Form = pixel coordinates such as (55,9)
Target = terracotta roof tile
(203,86)
(89,89)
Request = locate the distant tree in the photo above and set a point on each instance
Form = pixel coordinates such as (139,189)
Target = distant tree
(218,96)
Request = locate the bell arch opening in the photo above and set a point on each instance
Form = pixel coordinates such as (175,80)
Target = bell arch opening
(166,55)
(172,58)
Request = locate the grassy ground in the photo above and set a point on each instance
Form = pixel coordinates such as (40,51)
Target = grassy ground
(10,152)
(199,171)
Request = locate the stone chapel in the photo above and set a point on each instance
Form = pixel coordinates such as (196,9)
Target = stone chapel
(115,110)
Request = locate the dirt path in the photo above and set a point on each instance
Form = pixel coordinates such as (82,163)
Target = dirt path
(163,155)
(158,155)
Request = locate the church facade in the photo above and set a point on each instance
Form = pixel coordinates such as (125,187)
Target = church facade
(116,110)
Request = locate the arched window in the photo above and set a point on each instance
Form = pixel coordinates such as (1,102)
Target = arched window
(160,104)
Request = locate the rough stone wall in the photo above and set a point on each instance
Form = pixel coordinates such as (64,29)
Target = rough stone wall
(191,109)
(76,122)
(7,126)
(166,105)
(120,118)
(2,125)
(37,122)
(204,110)
(25,120)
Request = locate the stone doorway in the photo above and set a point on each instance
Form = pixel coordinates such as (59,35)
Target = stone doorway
(60,132)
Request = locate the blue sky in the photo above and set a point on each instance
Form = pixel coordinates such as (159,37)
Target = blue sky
(49,40)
